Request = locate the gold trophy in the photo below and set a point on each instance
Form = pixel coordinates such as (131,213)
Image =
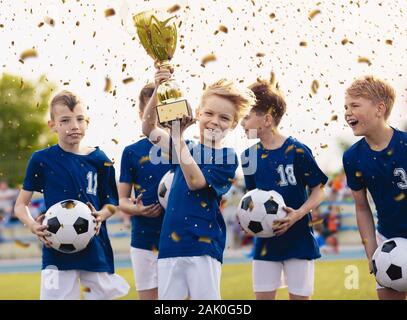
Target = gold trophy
(159,39)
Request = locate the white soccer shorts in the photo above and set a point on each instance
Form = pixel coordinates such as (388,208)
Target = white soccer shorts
(144,264)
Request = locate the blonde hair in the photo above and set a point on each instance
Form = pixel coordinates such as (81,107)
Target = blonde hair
(242,98)
(375,90)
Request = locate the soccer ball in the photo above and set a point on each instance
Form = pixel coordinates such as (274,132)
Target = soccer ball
(164,188)
(390,264)
(258,209)
(71,225)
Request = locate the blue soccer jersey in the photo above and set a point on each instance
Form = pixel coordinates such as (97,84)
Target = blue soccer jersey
(193,224)
(383,173)
(62,175)
(289,170)
(138,167)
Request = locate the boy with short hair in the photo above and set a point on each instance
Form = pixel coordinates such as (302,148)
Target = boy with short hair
(69,171)
(288,167)
(378,163)
(140,168)
(193,233)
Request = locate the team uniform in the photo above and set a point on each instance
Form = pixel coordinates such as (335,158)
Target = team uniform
(193,234)
(383,173)
(62,175)
(138,167)
(287,170)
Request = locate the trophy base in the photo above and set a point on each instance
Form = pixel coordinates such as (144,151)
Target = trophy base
(171,111)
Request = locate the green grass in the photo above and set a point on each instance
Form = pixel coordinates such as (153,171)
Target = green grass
(236,282)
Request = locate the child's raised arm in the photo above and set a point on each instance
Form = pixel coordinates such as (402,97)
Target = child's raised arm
(155,134)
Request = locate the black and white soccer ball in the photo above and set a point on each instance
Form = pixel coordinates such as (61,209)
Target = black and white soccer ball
(258,209)
(390,264)
(70,223)
(164,188)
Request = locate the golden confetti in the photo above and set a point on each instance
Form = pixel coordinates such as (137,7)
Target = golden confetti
(30,53)
(175,237)
(260,54)
(128,80)
(204,239)
(108,164)
(272,78)
(272,15)
(109,12)
(313,13)
(399,197)
(230,9)
(223,29)
(316,222)
(299,150)
(40,24)
(364,60)
(389,42)
(358,174)
(314,86)
(108,85)
(263,251)
(203,204)
(323,146)
(86,289)
(111,208)
(208,58)
(289,148)
(115,141)
(264,155)
(49,21)
(174,8)
(21,244)
(365,241)
(144,160)
(344,41)
(251,206)
(334,117)
(303,44)
(390,152)
(154,249)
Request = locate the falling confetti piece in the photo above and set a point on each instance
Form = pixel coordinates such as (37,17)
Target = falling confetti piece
(389,42)
(30,53)
(144,160)
(365,241)
(344,41)
(175,237)
(108,164)
(364,60)
(313,14)
(115,141)
(303,44)
(86,289)
(108,84)
(334,117)
(358,174)
(174,8)
(128,80)
(263,251)
(208,58)
(223,29)
(323,146)
(289,148)
(272,78)
(112,209)
(21,244)
(272,15)
(49,21)
(109,12)
(204,239)
(203,204)
(299,150)
(390,152)
(260,54)
(315,86)
(264,155)
(399,197)
(230,9)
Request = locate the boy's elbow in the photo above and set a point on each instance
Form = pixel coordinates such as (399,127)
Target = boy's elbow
(196,185)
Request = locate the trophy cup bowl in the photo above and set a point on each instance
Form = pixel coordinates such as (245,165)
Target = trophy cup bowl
(159,38)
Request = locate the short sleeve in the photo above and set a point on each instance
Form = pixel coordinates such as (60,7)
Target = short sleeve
(306,168)
(353,179)
(34,176)
(126,171)
(248,174)
(220,173)
(108,192)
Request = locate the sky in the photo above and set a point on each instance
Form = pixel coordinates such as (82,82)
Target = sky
(301,45)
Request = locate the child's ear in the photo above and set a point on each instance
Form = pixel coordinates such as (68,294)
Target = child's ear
(268,120)
(381,109)
(51,125)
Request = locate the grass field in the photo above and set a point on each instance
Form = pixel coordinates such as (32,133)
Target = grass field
(330,282)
